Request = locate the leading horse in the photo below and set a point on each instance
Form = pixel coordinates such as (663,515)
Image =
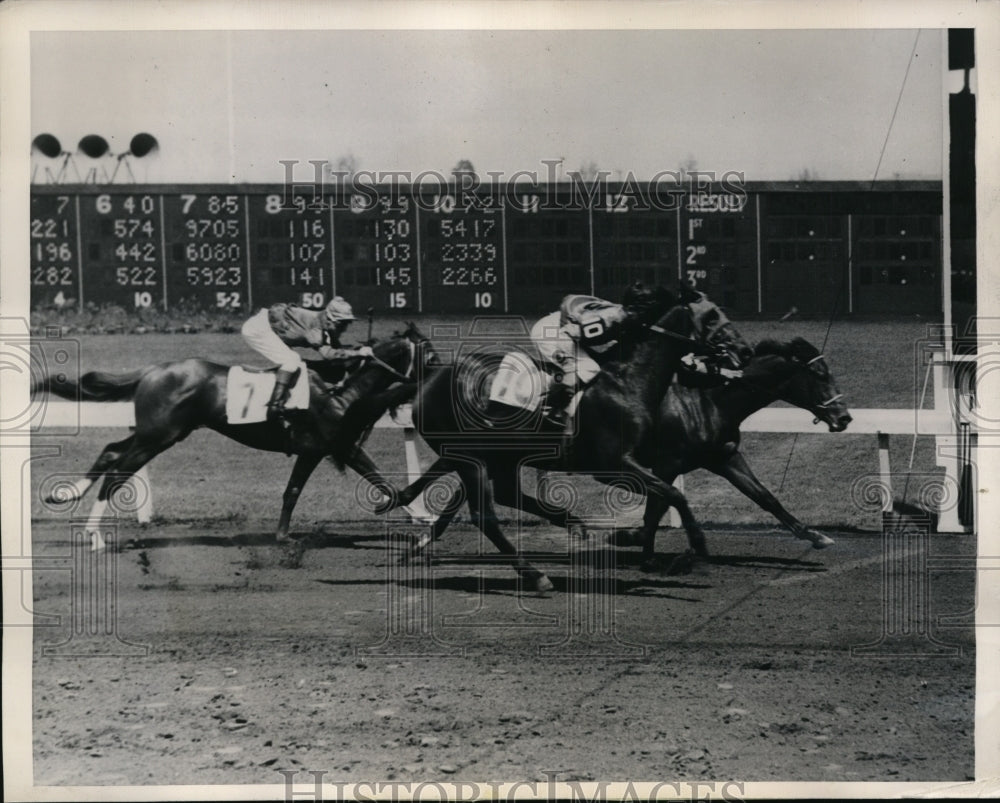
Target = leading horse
(173,399)
(700,428)
(615,415)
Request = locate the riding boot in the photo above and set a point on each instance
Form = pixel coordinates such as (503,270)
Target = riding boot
(283,382)
(558,399)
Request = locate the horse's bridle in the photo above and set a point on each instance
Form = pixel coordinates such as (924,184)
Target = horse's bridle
(833,399)
(406,376)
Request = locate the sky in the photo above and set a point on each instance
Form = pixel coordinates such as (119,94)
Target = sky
(228,106)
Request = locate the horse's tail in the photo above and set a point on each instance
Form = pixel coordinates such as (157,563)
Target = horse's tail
(361,416)
(93,386)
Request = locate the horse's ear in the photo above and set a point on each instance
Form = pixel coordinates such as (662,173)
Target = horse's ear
(686,292)
(802,350)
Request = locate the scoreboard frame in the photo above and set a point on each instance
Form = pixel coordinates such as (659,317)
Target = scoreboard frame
(516,248)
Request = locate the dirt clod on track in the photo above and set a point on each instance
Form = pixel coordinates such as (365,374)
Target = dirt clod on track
(231,658)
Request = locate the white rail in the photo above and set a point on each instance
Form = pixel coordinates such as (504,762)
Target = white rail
(871,421)
(867,421)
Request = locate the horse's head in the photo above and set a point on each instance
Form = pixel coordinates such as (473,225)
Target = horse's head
(423,353)
(805,380)
(646,305)
(708,325)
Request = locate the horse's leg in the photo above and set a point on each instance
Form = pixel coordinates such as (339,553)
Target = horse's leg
(304,466)
(656,508)
(440,468)
(669,497)
(508,490)
(362,463)
(438,527)
(484,514)
(109,455)
(135,457)
(736,470)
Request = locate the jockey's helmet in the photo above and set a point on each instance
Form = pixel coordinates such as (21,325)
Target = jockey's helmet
(338,310)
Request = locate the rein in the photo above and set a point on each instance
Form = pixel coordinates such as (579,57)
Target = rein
(695,346)
(406,377)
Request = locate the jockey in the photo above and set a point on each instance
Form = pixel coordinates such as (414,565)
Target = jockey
(576,337)
(271,331)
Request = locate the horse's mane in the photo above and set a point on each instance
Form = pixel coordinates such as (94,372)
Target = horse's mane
(797,348)
(769,346)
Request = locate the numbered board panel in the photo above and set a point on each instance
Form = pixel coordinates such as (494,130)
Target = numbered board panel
(462,254)
(55,257)
(206,253)
(377,252)
(548,250)
(122,260)
(515,248)
(632,242)
(718,247)
(293,252)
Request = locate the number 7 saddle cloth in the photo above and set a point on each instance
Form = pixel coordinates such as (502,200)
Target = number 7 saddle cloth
(248,391)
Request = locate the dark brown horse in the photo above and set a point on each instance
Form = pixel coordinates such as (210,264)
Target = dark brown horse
(174,399)
(616,414)
(700,428)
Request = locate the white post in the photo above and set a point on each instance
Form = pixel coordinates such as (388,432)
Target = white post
(144,490)
(885,475)
(675,517)
(417,510)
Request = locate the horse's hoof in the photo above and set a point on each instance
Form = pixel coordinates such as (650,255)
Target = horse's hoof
(682,564)
(387,504)
(280,538)
(652,565)
(416,550)
(543,585)
(625,538)
(819,540)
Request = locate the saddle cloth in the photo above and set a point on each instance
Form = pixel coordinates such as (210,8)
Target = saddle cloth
(248,392)
(519,382)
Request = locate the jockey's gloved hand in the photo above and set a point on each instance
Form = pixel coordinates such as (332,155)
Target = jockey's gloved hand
(366,351)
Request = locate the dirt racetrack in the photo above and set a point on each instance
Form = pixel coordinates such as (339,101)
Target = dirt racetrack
(233,658)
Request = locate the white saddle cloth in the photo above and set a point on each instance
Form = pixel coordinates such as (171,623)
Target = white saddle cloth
(520,383)
(248,392)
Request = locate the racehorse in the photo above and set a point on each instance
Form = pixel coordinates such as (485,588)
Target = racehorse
(615,415)
(173,399)
(700,428)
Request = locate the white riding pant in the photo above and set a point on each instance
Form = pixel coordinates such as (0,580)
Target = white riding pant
(556,346)
(259,335)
